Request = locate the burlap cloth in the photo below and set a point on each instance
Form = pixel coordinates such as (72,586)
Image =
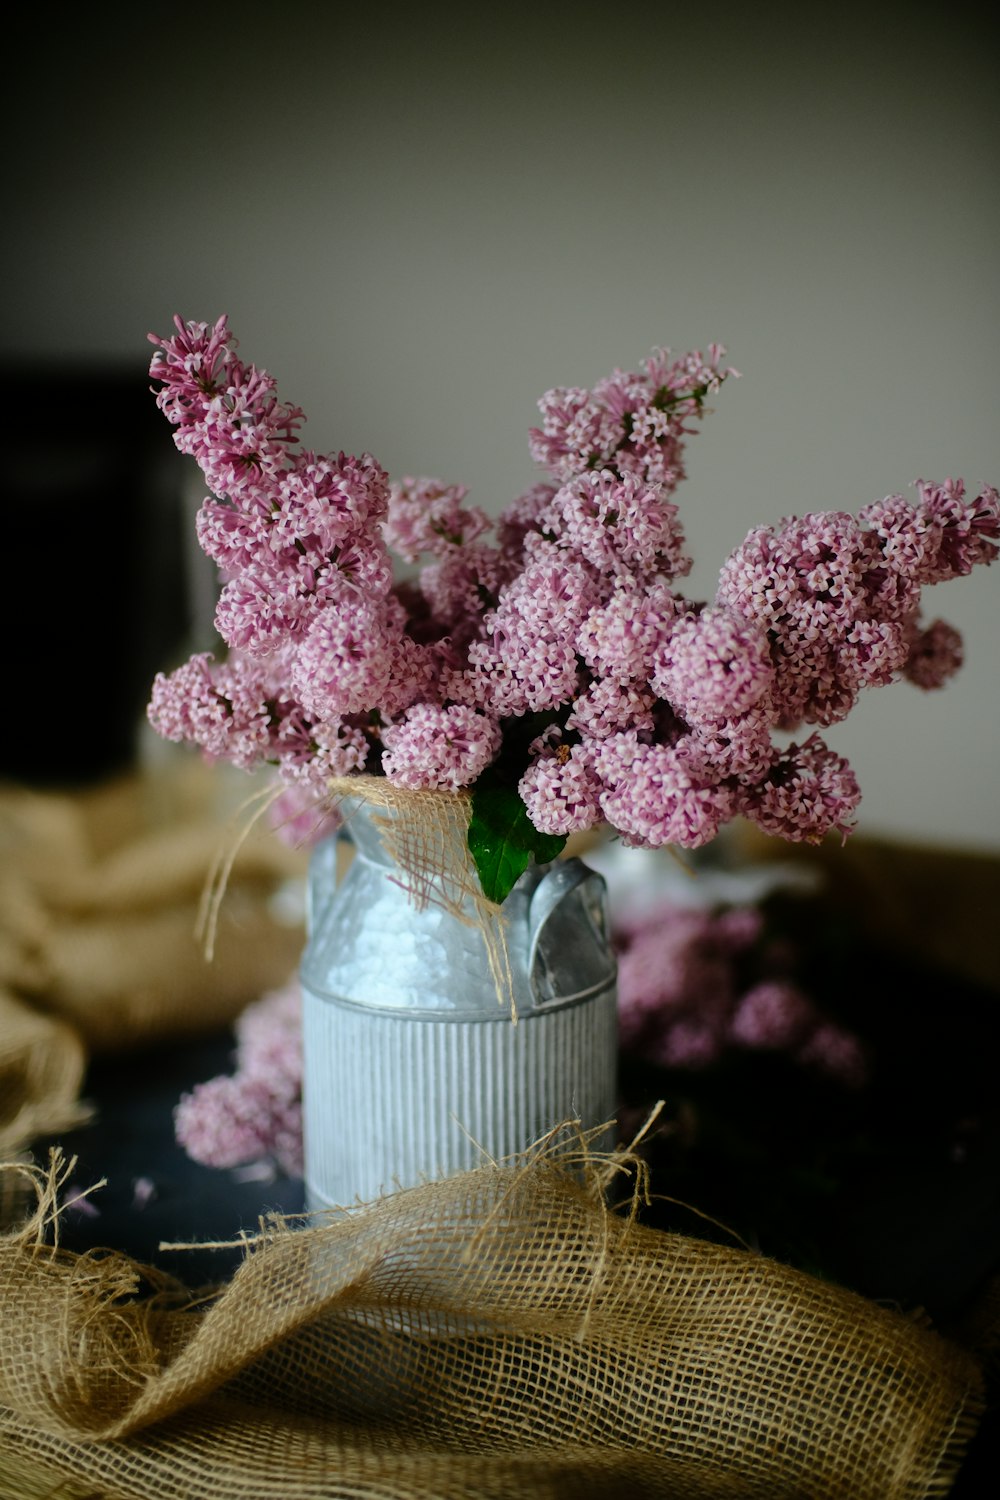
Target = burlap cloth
(500,1334)
(99,903)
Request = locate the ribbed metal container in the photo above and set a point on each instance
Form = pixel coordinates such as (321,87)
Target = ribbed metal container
(412,1069)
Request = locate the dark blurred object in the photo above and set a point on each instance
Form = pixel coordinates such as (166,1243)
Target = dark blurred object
(95,532)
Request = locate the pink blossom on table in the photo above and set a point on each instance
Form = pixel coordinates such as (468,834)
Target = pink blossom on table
(836,1052)
(427,516)
(560,790)
(256,1112)
(737,928)
(684,999)
(671,966)
(771,1015)
(713,665)
(934,655)
(439,748)
(650,797)
(226,1122)
(689,1043)
(808,792)
(269,1039)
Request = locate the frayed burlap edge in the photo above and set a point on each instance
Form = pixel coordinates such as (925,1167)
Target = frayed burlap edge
(500,1333)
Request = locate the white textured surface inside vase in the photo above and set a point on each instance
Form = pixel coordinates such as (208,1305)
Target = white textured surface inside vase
(394,1101)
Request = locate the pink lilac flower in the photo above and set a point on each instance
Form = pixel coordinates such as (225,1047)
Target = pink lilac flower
(252,616)
(231,538)
(634,423)
(427,516)
(773,1014)
(226,1121)
(560,790)
(576,434)
(619,524)
(652,799)
(226,413)
(218,707)
(520,518)
(668,705)
(836,1052)
(345,660)
(441,748)
(608,706)
(808,792)
(619,638)
(725,748)
(528,658)
(683,996)
(461,587)
(309,753)
(961,533)
(840,603)
(934,655)
(713,665)
(189,367)
(256,1112)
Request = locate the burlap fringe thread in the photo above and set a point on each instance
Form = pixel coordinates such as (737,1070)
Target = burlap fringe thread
(502,1333)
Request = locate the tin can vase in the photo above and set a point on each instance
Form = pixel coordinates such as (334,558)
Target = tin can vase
(412,1069)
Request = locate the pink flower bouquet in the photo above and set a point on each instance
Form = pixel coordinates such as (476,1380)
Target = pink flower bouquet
(554,670)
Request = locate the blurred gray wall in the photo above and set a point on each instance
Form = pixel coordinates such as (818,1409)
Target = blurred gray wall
(421,220)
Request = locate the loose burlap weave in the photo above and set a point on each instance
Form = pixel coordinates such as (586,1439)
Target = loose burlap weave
(499,1334)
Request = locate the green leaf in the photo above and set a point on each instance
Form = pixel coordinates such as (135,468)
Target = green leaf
(502,838)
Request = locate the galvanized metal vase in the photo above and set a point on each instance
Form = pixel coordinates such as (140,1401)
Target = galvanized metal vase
(412,1070)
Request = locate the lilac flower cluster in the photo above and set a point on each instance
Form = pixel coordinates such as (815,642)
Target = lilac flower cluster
(255,1113)
(638,707)
(694,983)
